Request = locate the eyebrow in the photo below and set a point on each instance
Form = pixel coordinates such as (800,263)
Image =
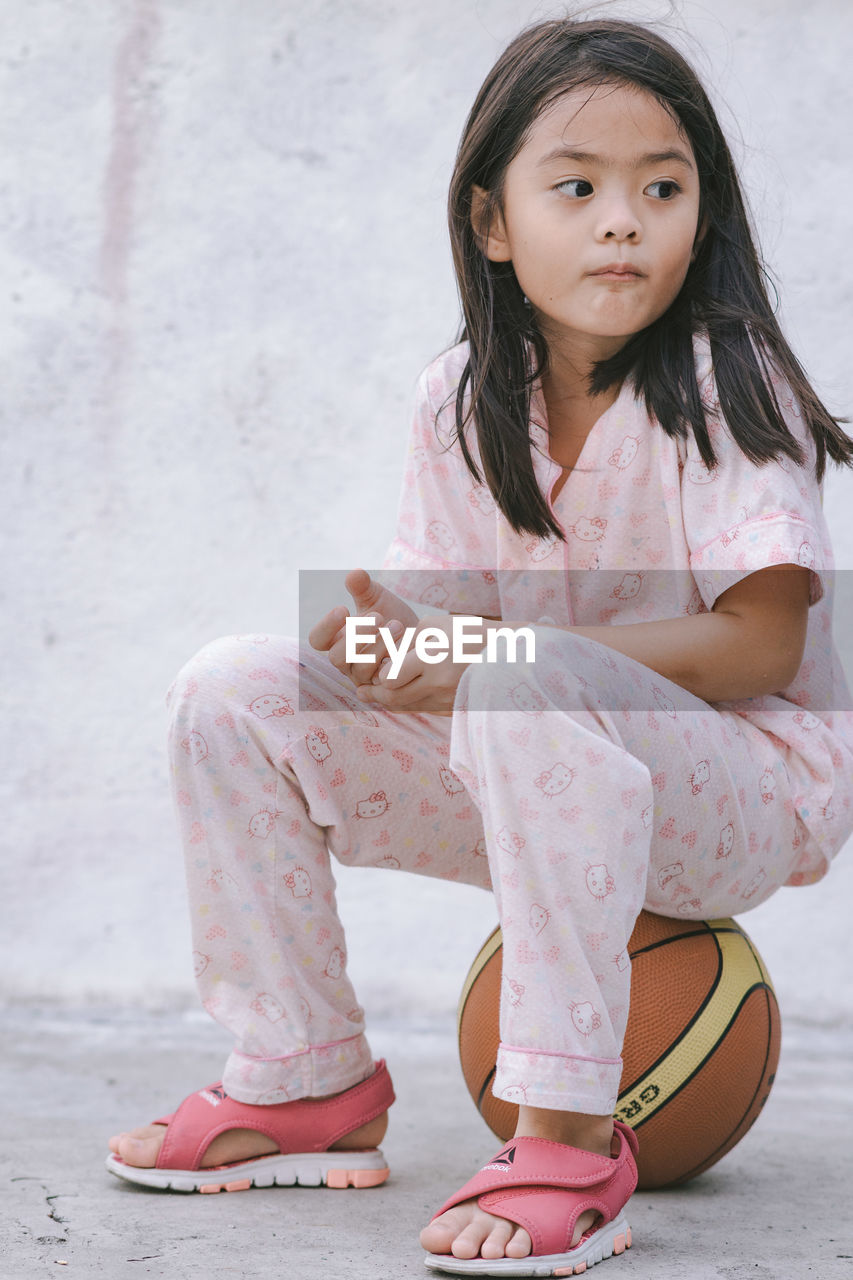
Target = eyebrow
(589,157)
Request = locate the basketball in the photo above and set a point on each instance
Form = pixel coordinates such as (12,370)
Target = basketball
(700,1050)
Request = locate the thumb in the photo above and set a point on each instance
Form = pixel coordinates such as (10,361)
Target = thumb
(363,590)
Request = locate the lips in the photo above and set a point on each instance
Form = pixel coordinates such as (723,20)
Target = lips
(619,271)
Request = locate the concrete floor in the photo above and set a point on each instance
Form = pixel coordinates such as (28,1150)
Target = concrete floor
(777,1206)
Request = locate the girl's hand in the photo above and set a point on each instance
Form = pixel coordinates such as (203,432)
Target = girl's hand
(419,687)
(370,598)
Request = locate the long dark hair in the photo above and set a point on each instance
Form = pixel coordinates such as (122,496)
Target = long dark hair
(724,291)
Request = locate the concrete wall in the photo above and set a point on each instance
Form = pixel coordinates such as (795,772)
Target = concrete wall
(224,263)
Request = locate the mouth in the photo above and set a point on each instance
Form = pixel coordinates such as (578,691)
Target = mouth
(618,271)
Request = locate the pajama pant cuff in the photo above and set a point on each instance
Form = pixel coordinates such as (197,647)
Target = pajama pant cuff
(557,1081)
(313,1072)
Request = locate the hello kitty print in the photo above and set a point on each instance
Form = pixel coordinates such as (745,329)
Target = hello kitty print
(579,788)
(665,534)
(574,820)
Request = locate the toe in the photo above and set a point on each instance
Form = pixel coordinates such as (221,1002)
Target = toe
(483,1236)
(141,1152)
(583,1224)
(438,1236)
(495,1243)
(468,1242)
(520,1245)
(466,1232)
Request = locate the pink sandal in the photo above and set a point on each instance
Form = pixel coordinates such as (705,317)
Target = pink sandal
(304,1130)
(544,1187)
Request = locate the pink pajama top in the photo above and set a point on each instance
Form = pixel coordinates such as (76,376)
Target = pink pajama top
(666,536)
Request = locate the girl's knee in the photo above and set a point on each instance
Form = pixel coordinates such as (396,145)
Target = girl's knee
(262,671)
(265,681)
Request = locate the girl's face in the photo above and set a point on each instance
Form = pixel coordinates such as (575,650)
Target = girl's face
(599,217)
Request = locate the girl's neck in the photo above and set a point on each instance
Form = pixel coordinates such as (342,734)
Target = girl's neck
(571,358)
(565,385)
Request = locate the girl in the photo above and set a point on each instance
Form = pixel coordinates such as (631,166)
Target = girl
(624,412)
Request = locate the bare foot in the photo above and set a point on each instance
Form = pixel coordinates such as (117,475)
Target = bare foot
(467,1231)
(141,1147)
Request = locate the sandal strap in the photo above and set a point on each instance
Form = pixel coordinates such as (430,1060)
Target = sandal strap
(545,1186)
(301,1126)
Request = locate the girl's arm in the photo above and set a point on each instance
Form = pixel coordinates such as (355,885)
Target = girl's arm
(750,644)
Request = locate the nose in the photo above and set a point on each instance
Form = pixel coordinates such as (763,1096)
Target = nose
(618,221)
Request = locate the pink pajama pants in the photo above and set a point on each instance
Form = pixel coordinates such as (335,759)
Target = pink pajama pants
(580,788)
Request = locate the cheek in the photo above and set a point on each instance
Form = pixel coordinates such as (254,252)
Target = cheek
(678,247)
(533,261)
(538,242)
(675,262)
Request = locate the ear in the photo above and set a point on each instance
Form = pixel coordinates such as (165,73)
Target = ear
(489,231)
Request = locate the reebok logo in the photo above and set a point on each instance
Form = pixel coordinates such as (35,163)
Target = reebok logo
(213,1096)
(502,1162)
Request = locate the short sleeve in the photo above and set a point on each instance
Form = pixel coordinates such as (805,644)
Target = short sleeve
(443,553)
(743,516)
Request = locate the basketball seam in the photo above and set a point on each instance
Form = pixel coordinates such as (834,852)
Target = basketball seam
(725,933)
(758,986)
(712,1156)
(670,1049)
(762,968)
(679,937)
(488,1080)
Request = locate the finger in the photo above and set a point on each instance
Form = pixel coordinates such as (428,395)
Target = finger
(368,673)
(364,591)
(382,671)
(338,657)
(393,696)
(370,647)
(364,672)
(385,652)
(322,634)
(407,669)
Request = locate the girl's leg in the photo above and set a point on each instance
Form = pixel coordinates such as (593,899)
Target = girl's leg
(275,764)
(603,789)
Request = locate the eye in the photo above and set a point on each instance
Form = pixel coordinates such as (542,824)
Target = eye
(575,187)
(666,189)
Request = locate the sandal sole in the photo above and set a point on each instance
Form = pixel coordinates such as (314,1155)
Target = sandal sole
(361,1169)
(613,1238)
